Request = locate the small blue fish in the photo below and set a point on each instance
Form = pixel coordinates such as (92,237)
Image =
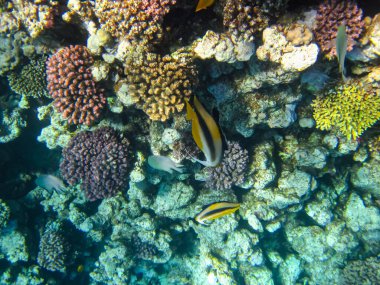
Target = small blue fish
(164,163)
(50,183)
(341,48)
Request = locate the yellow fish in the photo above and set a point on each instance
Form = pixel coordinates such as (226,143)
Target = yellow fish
(203,4)
(206,133)
(215,211)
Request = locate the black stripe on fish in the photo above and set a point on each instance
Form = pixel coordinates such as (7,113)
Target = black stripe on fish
(217,211)
(206,132)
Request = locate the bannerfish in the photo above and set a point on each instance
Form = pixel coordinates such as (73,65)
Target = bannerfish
(206,133)
(341,48)
(203,4)
(50,183)
(215,211)
(164,163)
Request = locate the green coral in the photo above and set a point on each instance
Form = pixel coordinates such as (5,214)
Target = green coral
(350,108)
(30,80)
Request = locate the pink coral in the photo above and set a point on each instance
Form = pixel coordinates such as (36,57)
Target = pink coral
(71,84)
(332,14)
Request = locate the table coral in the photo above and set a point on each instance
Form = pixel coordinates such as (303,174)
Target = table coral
(160,84)
(99,160)
(243,18)
(332,14)
(133,19)
(351,108)
(31,79)
(71,84)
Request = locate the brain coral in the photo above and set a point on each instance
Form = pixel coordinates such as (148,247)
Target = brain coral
(243,18)
(53,251)
(231,170)
(71,84)
(351,108)
(99,159)
(31,79)
(159,84)
(133,19)
(331,14)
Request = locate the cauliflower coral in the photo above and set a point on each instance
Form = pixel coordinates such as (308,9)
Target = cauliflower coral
(351,108)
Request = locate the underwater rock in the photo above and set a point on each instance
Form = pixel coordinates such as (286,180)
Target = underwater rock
(364,221)
(366,177)
(250,110)
(290,269)
(320,211)
(292,58)
(223,47)
(13,245)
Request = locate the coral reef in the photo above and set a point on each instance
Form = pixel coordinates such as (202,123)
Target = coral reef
(231,170)
(365,271)
(223,47)
(35,16)
(10,51)
(351,108)
(4,214)
(30,80)
(53,251)
(332,14)
(287,50)
(243,18)
(70,83)
(99,160)
(133,20)
(159,85)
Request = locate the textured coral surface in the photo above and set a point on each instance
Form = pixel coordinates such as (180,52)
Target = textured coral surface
(99,160)
(72,87)
(332,14)
(351,108)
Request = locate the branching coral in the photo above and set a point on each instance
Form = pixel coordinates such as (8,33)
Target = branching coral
(31,79)
(99,160)
(133,20)
(243,18)
(351,108)
(53,251)
(70,82)
(159,84)
(332,14)
(231,170)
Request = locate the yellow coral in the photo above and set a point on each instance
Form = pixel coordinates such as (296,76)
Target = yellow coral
(351,108)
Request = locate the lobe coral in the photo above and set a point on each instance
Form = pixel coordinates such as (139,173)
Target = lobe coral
(71,84)
(99,159)
(332,14)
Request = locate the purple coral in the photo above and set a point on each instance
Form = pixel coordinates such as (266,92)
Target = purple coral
(231,170)
(332,14)
(99,159)
(71,84)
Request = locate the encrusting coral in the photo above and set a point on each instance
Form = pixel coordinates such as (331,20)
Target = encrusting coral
(363,272)
(351,108)
(53,251)
(70,83)
(243,18)
(133,20)
(36,16)
(160,84)
(99,160)
(231,170)
(332,14)
(31,79)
